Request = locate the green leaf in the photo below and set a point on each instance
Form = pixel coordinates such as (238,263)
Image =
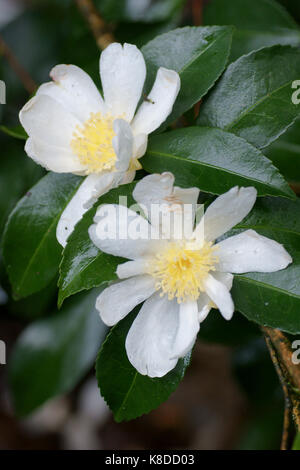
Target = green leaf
(128,393)
(259,23)
(53,354)
(296,445)
(214,161)
(293,8)
(17,131)
(83,265)
(272,299)
(247,41)
(31,252)
(17,174)
(253,97)
(137,10)
(198,54)
(36,305)
(248,14)
(285,153)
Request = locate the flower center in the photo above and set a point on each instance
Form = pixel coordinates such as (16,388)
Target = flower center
(181,269)
(92,143)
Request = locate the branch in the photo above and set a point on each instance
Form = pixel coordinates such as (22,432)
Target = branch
(197,11)
(100,30)
(295,187)
(19,70)
(289,375)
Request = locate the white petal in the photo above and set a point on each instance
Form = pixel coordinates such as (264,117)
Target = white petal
(122,232)
(250,251)
(140,145)
(205,304)
(154,193)
(58,159)
(225,278)
(123,144)
(132,268)
(123,73)
(204,307)
(158,189)
(155,110)
(220,295)
(74,90)
(153,189)
(151,338)
(171,210)
(227,211)
(119,299)
(127,177)
(188,328)
(188,197)
(45,119)
(92,187)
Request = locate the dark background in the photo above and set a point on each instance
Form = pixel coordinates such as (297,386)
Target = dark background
(230,397)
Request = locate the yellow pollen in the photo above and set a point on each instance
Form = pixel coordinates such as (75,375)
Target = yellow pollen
(180,271)
(92,143)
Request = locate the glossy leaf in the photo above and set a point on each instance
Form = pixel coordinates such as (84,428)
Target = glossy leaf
(30,250)
(128,393)
(245,41)
(272,299)
(214,161)
(249,14)
(36,305)
(247,99)
(83,265)
(198,54)
(54,353)
(285,153)
(17,175)
(258,23)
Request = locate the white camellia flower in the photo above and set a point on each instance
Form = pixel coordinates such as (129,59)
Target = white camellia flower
(180,280)
(72,129)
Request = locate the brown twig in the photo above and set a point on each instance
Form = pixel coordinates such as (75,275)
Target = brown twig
(100,30)
(289,375)
(197,10)
(295,187)
(286,439)
(19,70)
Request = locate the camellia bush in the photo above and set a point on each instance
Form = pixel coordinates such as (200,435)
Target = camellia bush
(181,115)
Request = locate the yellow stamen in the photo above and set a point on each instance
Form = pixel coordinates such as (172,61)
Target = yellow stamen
(180,270)
(92,143)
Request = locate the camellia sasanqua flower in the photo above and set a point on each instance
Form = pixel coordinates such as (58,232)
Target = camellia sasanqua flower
(72,129)
(180,280)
